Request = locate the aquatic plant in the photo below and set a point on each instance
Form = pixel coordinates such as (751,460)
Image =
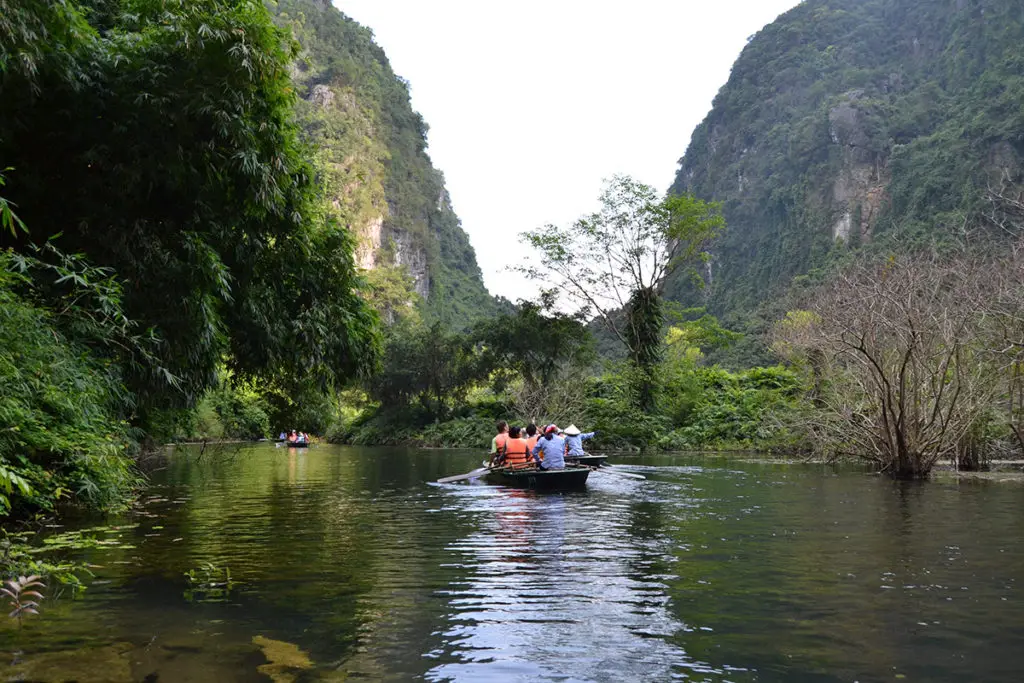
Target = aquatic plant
(21,597)
(209,583)
(20,557)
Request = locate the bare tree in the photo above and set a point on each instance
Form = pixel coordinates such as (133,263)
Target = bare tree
(559,400)
(902,346)
(1005,309)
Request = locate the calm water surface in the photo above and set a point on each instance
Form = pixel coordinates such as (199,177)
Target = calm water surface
(346,564)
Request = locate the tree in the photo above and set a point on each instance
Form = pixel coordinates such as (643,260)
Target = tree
(533,343)
(167,131)
(899,350)
(613,263)
(427,364)
(540,356)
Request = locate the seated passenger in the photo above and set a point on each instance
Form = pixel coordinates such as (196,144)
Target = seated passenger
(293,437)
(552,447)
(498,442)
(516,451)
(531,436)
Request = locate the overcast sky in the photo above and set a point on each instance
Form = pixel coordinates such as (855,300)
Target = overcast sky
(532,104)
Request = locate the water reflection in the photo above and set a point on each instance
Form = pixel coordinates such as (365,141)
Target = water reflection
(559,584)
(710,570)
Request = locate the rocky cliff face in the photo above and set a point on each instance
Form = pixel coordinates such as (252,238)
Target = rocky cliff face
(846,124)
(371,149)
(859,190)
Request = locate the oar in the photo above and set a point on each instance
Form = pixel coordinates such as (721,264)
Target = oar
(628,475)
(468,475)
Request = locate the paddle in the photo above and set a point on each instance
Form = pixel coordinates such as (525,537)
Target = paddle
(628,475)
(468,475)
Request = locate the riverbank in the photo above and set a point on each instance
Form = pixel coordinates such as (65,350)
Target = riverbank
(723,411)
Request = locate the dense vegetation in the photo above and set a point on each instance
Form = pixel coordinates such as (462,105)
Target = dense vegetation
(848,124)
(163,232)
(189,190)
(443,387)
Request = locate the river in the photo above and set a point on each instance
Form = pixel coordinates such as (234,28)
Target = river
(338,563)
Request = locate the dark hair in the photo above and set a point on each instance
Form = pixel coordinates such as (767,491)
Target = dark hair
(550,435)
(513,432)
(531,429)
(501,426)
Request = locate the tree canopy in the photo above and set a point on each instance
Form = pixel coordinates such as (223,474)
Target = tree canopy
(158,140)
(614,262)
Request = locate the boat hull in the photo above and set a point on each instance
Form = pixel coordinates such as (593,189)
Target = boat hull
(542,480)
(588,460)
(297,445)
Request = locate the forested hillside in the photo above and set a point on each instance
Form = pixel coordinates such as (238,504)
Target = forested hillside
(356,113)
(851,123)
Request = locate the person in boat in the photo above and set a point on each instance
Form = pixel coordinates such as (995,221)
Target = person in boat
(301,438)
(574,441)
(550,450)
(515,453)
(283,436)
(293,437)
(498,442)
(531,436)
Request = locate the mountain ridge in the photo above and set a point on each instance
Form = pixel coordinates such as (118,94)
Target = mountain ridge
(371,144)
(849,124)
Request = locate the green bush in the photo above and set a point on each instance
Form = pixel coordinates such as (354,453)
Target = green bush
(611,409)
(737,410)
(243,413)
(61,434)
(462,432)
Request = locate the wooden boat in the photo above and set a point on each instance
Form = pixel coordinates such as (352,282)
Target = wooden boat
(587,460)
(297,444)
(572,477)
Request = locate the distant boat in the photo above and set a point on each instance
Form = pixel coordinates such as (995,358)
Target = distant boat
(572,477)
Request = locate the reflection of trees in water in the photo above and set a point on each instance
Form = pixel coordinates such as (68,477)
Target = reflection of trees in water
(844,575)
(798,572)
(333,545)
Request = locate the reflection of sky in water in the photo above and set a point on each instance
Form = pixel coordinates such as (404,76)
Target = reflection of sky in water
(557,587)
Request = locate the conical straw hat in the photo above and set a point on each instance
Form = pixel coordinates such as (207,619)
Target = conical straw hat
(571,430)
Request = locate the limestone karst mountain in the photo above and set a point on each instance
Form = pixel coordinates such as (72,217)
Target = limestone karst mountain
(372,147)
(849,123)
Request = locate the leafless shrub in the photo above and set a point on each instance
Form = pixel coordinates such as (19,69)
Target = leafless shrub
(898,352)
(560,399)
(1006,327)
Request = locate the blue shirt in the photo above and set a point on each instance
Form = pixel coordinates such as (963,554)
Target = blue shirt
(553,450)
(574,444)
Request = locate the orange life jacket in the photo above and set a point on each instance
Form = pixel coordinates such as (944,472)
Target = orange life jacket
(500,440)
(531,442)
(517,452)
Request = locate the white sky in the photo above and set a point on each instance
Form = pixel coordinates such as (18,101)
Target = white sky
(532,104)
